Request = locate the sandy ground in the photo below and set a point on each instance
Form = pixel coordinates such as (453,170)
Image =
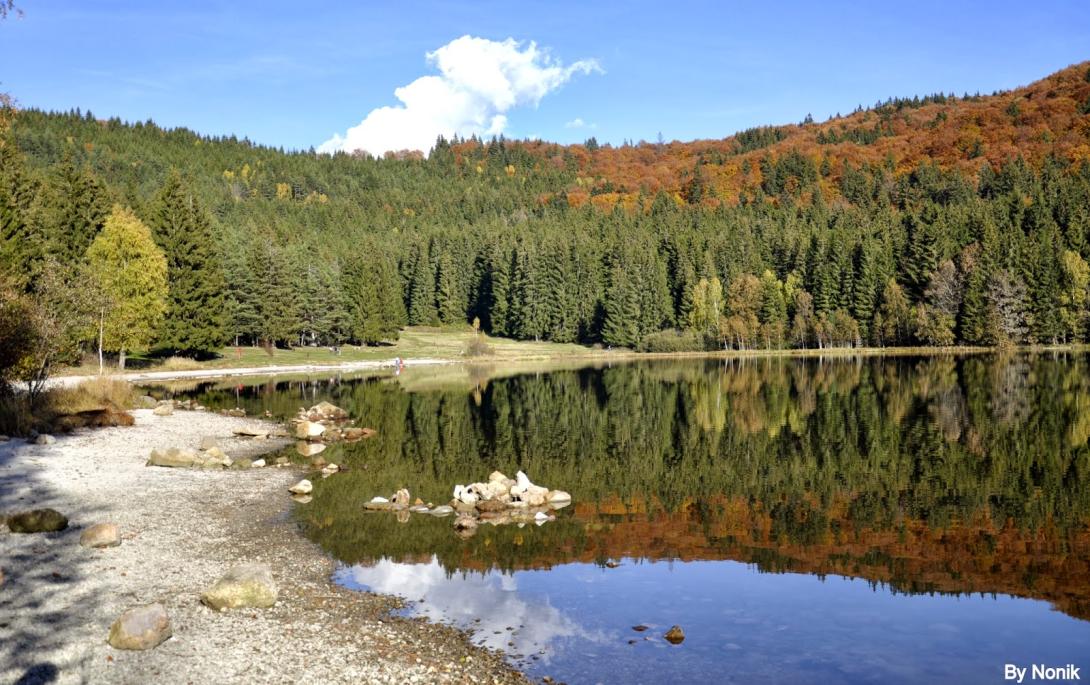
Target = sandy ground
(146,376)
(181,530)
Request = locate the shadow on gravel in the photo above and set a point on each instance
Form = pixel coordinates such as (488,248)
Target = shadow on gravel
(42,615)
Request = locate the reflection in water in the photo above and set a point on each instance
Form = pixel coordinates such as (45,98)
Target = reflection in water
(922,476)
(489,604)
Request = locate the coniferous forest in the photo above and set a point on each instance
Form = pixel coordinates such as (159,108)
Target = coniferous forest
(937,220)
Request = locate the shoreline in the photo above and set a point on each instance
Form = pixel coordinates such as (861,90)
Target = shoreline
(591,356)
(181,530)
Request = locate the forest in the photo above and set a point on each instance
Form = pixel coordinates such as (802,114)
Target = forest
(923,221)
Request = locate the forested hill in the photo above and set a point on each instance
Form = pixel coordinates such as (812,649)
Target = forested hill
(928,220)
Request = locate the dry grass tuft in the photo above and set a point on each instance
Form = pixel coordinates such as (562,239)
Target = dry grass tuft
(180,364)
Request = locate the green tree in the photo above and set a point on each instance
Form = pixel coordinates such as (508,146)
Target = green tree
(130,272)
(195,320)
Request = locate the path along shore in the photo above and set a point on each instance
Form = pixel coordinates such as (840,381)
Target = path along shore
(181,530)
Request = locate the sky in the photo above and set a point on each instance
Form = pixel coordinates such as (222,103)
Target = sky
(391,74)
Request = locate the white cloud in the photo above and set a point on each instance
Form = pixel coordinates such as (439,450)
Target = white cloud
(575,123)
(479,81)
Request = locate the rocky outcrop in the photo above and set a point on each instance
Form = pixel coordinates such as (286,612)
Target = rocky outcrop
(675,635)
(140,628)
(175,457)
(37,521)
(249,585)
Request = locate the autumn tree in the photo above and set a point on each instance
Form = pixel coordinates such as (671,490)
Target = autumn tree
(130,272)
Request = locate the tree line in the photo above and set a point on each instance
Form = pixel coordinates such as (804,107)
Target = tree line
(263,246)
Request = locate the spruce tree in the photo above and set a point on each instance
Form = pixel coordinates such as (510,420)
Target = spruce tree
(195,321)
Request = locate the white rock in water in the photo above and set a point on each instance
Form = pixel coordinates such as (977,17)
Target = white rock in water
(303,487)
(558,497)
(493,489)
(257,463)
(380,500)
(465,495)
(442,510)
(309,449)
(496,476)
(541,517)
(401,498)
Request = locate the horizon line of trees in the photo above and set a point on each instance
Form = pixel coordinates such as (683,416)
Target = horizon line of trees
(343,250)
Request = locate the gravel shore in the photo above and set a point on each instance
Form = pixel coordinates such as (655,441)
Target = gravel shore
(181,530)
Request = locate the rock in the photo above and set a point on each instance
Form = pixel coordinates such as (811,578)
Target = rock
(401,498)
(140,628)
(329,411)
(535,495)
(497,477)
(146,402)
(216,456)
(163,410)
(419,509)
(378,504)
(242,463)
(309,449)
(541,517)
(465,496)
(302,499)
(303,487)
(251,433)
(257,463)
(640,628)
(44,440)
(308,429)
(330,469)
(208,442)
(442,510)
(558,497)
(4,438)
(493,489)
(101,535)
(37,521)
(248,585)
(318,462)
(491,505)
(173,457)
(282,461)
(675,635)
(237,412)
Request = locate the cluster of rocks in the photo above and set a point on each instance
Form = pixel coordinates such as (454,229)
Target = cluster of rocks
(322,424)
(210,456)
(500,501)
(147,626)
(167,407)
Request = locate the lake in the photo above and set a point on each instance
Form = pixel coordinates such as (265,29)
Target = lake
(862,520)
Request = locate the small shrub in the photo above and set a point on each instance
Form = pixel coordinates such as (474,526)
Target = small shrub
(673,341)
(478,347)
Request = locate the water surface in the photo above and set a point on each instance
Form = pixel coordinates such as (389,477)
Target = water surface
(847,520)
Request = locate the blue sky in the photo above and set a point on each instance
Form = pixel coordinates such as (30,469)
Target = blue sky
(295,74)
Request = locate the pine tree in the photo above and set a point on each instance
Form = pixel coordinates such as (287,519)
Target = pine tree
(74,211)
(195,319)
(622,310)
(422,289)
(448,294)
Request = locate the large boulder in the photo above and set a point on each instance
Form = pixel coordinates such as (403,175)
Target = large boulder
(140,628)
(37,521)
(248,585)
(208,442)
(326,410)
(215,458)
(163,410)
(174,458)
(101,535)
(304,430)
(675,635)
(303,487)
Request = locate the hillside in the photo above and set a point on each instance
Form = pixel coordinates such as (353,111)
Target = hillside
(933,220)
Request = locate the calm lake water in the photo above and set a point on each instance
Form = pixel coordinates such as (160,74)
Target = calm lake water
(848,520)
